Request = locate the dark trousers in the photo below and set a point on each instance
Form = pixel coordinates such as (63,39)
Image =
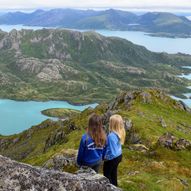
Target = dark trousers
(110,169)
(96,167)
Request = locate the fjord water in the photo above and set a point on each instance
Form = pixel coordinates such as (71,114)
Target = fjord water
(16,116)
(156,44)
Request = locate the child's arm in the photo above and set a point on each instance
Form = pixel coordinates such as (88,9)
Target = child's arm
(105,150)
(80,152)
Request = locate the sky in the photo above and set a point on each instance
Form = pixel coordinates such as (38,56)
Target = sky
(123,4)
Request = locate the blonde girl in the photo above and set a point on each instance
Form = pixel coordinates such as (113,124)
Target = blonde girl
(113,151)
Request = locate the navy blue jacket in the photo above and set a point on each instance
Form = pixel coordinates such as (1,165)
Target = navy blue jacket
(88,153)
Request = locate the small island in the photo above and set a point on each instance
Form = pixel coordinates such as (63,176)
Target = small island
(60,113)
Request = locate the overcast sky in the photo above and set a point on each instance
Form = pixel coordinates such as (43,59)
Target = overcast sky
(147,4)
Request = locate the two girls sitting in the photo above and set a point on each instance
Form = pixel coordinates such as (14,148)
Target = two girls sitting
(95,146)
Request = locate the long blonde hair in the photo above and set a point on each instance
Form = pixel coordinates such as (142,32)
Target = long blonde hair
(116,125)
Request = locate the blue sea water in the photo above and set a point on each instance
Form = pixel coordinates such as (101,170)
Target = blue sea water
(16,116)
(187,76)
(156,44)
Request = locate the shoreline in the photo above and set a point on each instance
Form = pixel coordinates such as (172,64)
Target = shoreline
(49,100)
(148,33)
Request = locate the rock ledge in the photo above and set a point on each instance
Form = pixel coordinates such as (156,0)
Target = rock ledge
(15,176)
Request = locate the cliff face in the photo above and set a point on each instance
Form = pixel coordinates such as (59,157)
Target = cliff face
(19,176)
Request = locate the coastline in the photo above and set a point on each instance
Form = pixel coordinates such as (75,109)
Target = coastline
(83,103)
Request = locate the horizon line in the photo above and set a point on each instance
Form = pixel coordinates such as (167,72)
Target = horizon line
(135,9)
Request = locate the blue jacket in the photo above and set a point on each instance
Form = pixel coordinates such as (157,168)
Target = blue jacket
(89,154)
(113,148)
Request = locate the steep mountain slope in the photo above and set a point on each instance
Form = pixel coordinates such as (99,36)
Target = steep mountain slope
(75,66)
(154,22)
(156,155)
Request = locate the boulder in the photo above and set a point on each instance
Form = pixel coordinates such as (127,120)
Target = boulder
(166,140)
(63,161)
(171,142)
(182,144)
(22,177)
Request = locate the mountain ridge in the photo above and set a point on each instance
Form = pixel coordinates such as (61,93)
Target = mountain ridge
(111,19)
(79,67)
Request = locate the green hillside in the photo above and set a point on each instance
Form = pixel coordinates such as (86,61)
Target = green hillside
(81,67)
(156,155)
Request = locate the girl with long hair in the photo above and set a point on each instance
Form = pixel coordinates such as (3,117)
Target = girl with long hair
(113,151)
(92,144)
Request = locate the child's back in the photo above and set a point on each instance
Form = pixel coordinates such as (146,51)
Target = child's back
(89,154)
(91,146)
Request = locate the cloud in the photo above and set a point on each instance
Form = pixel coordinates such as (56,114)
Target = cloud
(21,4)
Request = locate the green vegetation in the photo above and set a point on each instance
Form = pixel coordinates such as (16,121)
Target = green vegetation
(159,168)
(60,112)
(82,67)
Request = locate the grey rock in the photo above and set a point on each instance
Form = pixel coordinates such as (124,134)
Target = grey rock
(162,122)
(138,147)
(128,125)
(171,142)
(55,138)
(18,176)
(182,144)
(133,138)
(166,140)
(129,97)
(67,158)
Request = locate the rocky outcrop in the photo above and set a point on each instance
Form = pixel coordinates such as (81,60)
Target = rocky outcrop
(55,138)
(64,161)
(16,176)
(4,79)
(45,70)
(169,141)
(184,107)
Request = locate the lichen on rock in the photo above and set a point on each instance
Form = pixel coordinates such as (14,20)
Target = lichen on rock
(18,176)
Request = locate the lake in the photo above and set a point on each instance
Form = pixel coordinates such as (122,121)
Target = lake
(16,116)
(156,44)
